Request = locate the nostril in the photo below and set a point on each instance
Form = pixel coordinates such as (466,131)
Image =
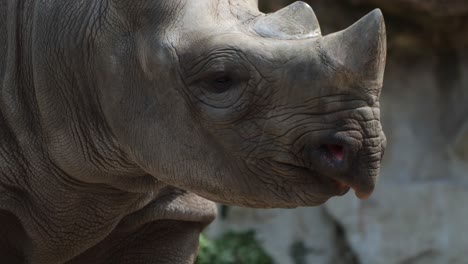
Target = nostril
(336,152)
(329,158)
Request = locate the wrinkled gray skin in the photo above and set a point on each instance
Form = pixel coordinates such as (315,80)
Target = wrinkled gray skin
(121,121)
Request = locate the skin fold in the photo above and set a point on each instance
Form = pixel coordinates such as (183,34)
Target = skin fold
(122,122)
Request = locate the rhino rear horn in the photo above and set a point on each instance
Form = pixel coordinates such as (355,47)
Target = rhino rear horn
(361,49)
(296,21)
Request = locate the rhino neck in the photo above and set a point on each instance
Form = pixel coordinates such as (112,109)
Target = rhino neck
(24,151)
(34,188)
(19,121)
(28,156)
(24,123)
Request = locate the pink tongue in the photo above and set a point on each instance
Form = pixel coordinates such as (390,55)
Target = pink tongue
(337,151)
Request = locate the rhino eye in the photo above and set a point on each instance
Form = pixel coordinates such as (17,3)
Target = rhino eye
(225,80)
(222,83)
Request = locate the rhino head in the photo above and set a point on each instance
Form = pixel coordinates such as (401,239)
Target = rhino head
(237,106)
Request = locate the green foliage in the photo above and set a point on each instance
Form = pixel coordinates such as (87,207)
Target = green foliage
(299,252)
(232,248)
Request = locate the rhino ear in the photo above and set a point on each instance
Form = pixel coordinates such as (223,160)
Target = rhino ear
(361,49)
(296,21)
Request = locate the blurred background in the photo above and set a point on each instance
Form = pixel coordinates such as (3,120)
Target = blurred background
(419,210)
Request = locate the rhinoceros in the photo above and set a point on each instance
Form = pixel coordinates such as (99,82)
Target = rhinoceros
(122,122)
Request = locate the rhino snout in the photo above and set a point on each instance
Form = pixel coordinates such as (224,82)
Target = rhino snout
(349,163)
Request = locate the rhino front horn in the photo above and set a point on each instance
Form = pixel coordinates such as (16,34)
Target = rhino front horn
(361,50)
(296,21)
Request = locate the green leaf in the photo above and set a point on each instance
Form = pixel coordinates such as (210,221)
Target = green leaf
(232,248)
